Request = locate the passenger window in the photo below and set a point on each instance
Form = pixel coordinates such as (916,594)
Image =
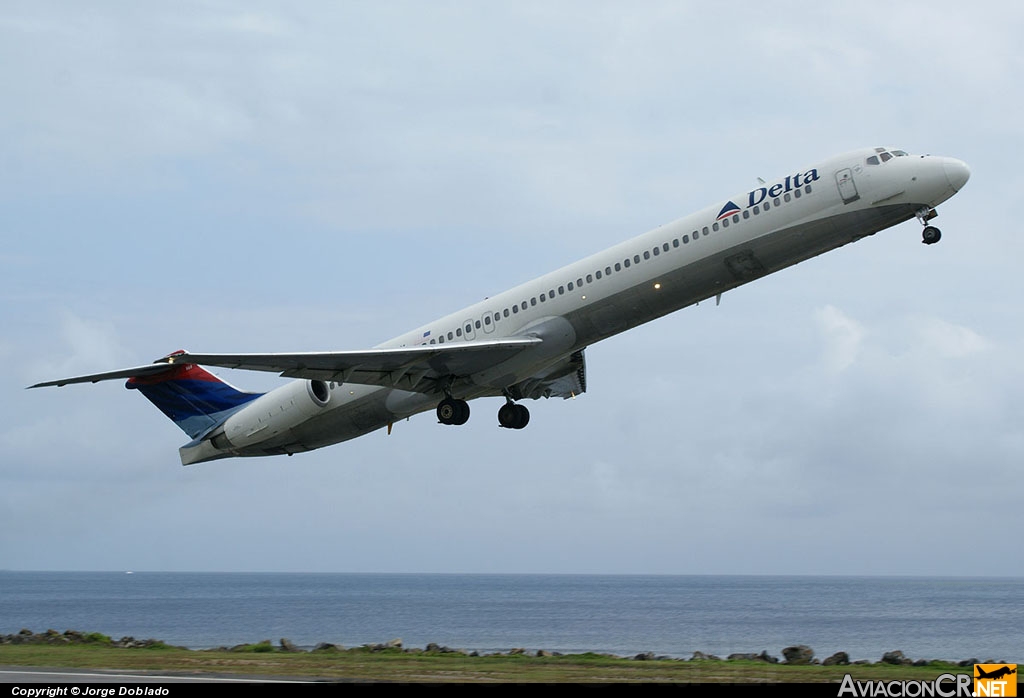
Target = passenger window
(478,322)
(636,259)
(777,202)
(551,293)
(767,206)
(736,218)
(797,193)
(807,189)
(505,312)
(618,267)
(440,340)
(675,243)
(458,331)
(714,227)
(515,308)
(686,238)
(657,251)
(569,286)
(725,222)
(579,282)
(625,263)
(487,320)
(450,336)
(647,255)
(664,247)
(787,197)
(590,278)
(433,341)
(533,301)
(542,297)
(597,274)
(497,316)
(746,214)
(757,210)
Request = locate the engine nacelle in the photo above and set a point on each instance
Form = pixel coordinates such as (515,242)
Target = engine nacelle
(273,414)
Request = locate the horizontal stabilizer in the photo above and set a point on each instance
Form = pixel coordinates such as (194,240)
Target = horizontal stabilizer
(190,396)
(136,372)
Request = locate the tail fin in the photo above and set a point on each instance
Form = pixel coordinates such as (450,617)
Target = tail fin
(194,399)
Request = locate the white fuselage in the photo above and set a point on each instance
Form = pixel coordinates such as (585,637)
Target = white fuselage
(785,221)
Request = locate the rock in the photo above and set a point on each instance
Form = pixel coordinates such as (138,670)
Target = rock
(798,654)
(287,646)
(765,657)
(395,644)
(837,659)
(895,657)
(969,662)
(517,650)
(644,656)
(433,647)
(700,655)
(327,647)
(544,653)
(737,656)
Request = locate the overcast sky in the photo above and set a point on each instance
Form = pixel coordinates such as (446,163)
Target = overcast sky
(246,176)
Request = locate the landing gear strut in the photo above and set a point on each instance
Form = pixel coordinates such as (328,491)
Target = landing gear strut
(930,235)
(513,416)
(453,411)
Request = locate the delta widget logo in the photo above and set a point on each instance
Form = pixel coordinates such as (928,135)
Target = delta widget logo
(727,210)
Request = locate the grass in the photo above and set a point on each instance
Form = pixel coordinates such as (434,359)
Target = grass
(263,659)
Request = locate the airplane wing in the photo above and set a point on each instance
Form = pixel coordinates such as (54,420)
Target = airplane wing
(407,368)
(565,379)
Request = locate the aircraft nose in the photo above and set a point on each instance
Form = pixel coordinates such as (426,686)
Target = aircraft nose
(957,172)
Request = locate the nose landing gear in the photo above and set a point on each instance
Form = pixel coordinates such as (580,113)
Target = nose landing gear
(930,235)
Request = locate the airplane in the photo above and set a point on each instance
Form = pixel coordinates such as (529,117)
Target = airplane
(529,342)
(999,673)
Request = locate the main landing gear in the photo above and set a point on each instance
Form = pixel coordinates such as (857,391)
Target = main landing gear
(513,416)
(930,235)
(453,411)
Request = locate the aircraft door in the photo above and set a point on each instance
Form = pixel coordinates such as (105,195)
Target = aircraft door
(847,187)
(488,321)
(469,327)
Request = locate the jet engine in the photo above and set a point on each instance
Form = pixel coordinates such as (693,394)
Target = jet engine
(273,414)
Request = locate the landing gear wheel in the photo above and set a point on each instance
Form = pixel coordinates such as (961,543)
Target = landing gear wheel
(930,235)
(453,411)
(513,416)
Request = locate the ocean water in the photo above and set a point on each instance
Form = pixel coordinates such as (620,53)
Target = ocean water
(929,618)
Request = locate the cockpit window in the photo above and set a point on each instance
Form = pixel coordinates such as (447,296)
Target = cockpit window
(884,156)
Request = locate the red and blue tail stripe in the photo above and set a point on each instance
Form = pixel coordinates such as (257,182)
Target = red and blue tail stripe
(193,398)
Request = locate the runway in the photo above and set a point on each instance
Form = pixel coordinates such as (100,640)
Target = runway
(14,675)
